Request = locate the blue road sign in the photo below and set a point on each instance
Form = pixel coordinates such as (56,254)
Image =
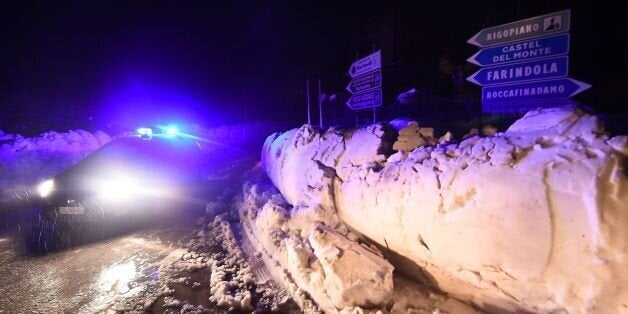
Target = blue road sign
(522,51)
(365,82)
(366,64)
(370,99)
(533,91)
(521,72)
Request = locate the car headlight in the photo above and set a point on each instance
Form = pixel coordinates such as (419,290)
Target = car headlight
(45,188)
(118,189)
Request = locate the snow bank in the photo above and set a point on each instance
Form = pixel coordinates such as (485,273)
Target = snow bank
(323,265)
(533,219)
(25,161)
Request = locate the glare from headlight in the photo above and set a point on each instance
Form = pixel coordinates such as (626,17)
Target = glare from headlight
(45,188)
(118,189)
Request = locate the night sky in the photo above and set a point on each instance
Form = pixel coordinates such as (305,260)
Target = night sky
(107,64)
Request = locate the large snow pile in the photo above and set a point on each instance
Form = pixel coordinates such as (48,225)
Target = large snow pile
(323,265)
(531,219)
(25,161)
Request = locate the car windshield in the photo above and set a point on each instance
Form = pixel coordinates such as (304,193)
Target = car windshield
(156,158)
(155,150)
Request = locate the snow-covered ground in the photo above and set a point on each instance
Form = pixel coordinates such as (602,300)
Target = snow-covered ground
(531,219)
(210,272)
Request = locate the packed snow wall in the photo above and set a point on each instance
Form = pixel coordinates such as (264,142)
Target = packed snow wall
(25,161)
(533,219)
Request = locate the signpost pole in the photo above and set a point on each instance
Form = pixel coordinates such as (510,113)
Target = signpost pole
(320,104)
(374,119)
(307,86)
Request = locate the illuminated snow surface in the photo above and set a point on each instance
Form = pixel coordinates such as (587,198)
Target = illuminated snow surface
(25,161)
(531,219)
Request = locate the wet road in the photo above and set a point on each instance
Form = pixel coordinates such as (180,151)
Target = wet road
(92,278)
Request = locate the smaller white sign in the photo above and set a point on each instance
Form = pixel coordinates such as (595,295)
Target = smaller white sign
(367,64)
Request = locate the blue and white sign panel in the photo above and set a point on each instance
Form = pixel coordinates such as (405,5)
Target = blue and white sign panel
(367,64)
(521,72)
(365,82)
(522,51)
(370,99)
(533,91)
(543,25)
(524,63)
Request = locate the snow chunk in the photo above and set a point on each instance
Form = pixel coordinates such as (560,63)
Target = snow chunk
(407,97)
(353,274)
(409,138)
(312,152)
(566,121)
(619,144)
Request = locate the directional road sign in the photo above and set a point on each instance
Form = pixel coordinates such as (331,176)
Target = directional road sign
(522,50)
(367,64)
(533,91)
(521,72)
(365,82)
(552,23)
(369,99)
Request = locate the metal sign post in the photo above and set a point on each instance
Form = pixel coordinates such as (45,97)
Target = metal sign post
(307,86)
(320,104)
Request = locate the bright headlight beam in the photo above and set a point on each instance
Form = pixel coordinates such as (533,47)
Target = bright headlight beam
(118,189)
(45,188)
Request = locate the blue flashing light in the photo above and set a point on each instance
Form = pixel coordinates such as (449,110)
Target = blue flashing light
(146,133)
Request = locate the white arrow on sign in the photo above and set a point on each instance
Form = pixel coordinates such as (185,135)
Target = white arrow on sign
(366,64)
(581,87)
